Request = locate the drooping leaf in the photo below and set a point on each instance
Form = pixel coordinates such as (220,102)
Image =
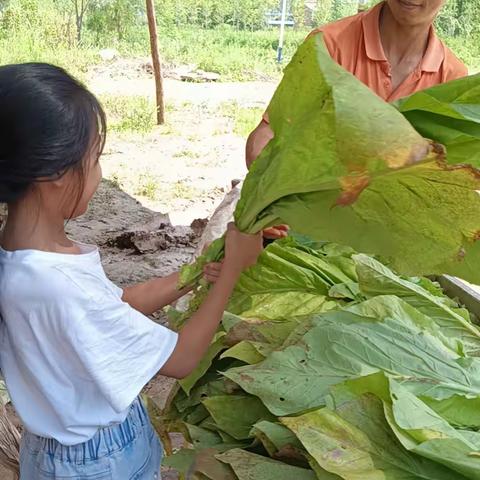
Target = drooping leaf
(431,436)
(356,442)
(235,414)
(457,410)
(368,180)
(275,437)
(212,384)
(418,428)
(271,332)
(244,351)
(182,461)
(348,188)
(207,464)
(288,280)
(201,437)
(248,466)
(376,279)
(360,135)
(448,113)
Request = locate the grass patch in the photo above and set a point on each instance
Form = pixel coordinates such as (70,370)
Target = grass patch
(147,186)
(116,180)
(235,55)
(186,154)
(129,114)
(184,191)
(245,119)
(22,48)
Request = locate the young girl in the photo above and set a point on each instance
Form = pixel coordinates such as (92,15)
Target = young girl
(75,349)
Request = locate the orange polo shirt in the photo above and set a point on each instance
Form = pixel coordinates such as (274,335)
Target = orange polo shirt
(355,44)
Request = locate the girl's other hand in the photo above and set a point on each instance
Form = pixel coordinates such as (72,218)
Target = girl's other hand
(241,249)
(277,232)
(211,272)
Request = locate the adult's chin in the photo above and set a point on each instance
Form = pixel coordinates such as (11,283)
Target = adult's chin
(408,12)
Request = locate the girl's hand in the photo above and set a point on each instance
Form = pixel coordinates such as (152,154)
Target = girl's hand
(211,272)
(274,233)
(241,249)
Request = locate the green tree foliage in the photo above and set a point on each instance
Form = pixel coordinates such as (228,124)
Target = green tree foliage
(216,35)
(459,18)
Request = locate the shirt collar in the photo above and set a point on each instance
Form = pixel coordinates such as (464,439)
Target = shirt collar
(435,54)
(371,34)
(432,60)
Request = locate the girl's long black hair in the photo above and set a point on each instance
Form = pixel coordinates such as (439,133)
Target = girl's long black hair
(48,123)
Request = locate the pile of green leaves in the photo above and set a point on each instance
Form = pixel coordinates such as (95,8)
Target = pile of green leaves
(328,365)
(347,167)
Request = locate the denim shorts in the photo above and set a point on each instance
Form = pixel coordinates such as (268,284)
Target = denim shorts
(127,451)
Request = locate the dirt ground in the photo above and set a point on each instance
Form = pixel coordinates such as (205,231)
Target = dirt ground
(184,166)
(182,169)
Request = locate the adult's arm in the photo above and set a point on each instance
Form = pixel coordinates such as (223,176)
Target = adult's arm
(257,141)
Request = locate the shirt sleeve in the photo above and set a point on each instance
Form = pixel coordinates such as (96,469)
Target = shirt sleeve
(119,348)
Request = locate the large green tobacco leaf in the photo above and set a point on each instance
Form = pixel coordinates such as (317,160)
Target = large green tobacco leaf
(279,305)
(248,466)
(420,220)
(244,351)
(422,431)
(275,437)
(457,410)
(199,465)
(344,166)
(376,279)
(212,386)
(331,132)
(206,464)
(350,344)
(418,428)
(355,442)
(182,461)
(270,332)
(353,183)
(288,280)
(235,414)
(449,114)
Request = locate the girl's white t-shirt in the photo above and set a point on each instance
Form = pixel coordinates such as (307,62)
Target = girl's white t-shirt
(73,354)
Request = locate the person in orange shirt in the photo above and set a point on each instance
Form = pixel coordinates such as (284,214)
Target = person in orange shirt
(392,48)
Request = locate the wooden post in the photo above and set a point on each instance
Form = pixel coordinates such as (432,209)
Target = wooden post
(157,68)
(282,31)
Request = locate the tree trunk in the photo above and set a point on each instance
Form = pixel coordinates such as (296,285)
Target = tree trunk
(157,68)
(79,30)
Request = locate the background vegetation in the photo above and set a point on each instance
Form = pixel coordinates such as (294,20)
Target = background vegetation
(230,37)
